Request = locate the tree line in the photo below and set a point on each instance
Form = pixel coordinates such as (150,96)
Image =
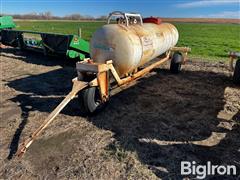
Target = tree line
(49,16)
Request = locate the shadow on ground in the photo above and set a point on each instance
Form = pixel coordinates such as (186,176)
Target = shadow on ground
(37,88)
(171,119)
(36,57)
(164,118)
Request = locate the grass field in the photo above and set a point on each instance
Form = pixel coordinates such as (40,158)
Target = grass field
(208,41)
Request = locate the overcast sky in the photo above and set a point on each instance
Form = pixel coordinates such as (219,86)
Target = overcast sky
(161,8)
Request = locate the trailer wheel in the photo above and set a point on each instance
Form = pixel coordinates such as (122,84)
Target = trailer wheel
(89,98)
(236,74)
(176,61)
(92,100)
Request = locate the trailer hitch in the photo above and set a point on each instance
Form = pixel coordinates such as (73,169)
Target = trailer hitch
(77,86)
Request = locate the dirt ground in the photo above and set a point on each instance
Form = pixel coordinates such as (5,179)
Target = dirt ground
(144,133)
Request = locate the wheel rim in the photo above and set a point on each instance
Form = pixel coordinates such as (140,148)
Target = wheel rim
(179,67)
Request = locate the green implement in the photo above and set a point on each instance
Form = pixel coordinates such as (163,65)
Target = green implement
(78,48)
(6,22)
(50,44)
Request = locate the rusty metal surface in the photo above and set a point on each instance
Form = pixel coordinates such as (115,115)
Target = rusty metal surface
(131,46)
(103,83)
(144,71)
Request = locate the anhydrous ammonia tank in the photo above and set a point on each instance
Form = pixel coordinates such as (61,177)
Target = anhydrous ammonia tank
(131,46)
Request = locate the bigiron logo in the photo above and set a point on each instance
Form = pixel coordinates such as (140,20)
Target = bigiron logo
(201,171)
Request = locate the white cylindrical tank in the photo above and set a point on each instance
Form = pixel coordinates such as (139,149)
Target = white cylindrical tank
(131,46)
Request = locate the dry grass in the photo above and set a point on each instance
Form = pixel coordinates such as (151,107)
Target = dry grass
(144,133)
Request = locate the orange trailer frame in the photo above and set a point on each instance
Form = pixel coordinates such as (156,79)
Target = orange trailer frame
(101,80)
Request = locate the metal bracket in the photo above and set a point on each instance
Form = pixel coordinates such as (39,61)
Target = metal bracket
(183,50)
(126,17)
(233,56)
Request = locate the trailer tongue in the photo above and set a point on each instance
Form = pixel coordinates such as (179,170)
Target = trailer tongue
(77,86)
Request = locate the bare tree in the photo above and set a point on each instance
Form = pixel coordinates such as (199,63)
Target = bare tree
(101,17)
(73,17)
(48,15)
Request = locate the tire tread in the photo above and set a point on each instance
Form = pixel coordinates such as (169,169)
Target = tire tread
(236,74)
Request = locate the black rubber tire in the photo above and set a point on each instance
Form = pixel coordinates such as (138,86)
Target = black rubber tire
(176,62)
(91,100)
(236,74)
(88,98)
